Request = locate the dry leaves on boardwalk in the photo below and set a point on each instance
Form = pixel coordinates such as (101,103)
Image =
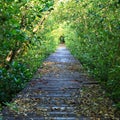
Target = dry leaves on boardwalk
(94,103)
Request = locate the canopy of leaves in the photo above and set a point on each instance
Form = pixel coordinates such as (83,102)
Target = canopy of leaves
(30,30)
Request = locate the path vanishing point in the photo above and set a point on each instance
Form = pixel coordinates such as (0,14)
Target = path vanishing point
(54,93)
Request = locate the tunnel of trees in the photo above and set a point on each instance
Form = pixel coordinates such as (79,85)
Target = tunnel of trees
(31,29)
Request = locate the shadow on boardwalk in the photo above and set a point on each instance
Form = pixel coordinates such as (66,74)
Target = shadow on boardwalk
(60,90)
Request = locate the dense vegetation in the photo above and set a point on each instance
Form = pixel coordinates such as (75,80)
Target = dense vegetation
(30,30)
(24,42)
(95,41)
(91,30)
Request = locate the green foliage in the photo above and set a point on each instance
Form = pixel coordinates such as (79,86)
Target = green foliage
(91,30)
(24,42)
(30,30)
(12,80)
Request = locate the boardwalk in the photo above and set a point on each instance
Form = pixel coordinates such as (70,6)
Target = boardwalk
(53,93)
